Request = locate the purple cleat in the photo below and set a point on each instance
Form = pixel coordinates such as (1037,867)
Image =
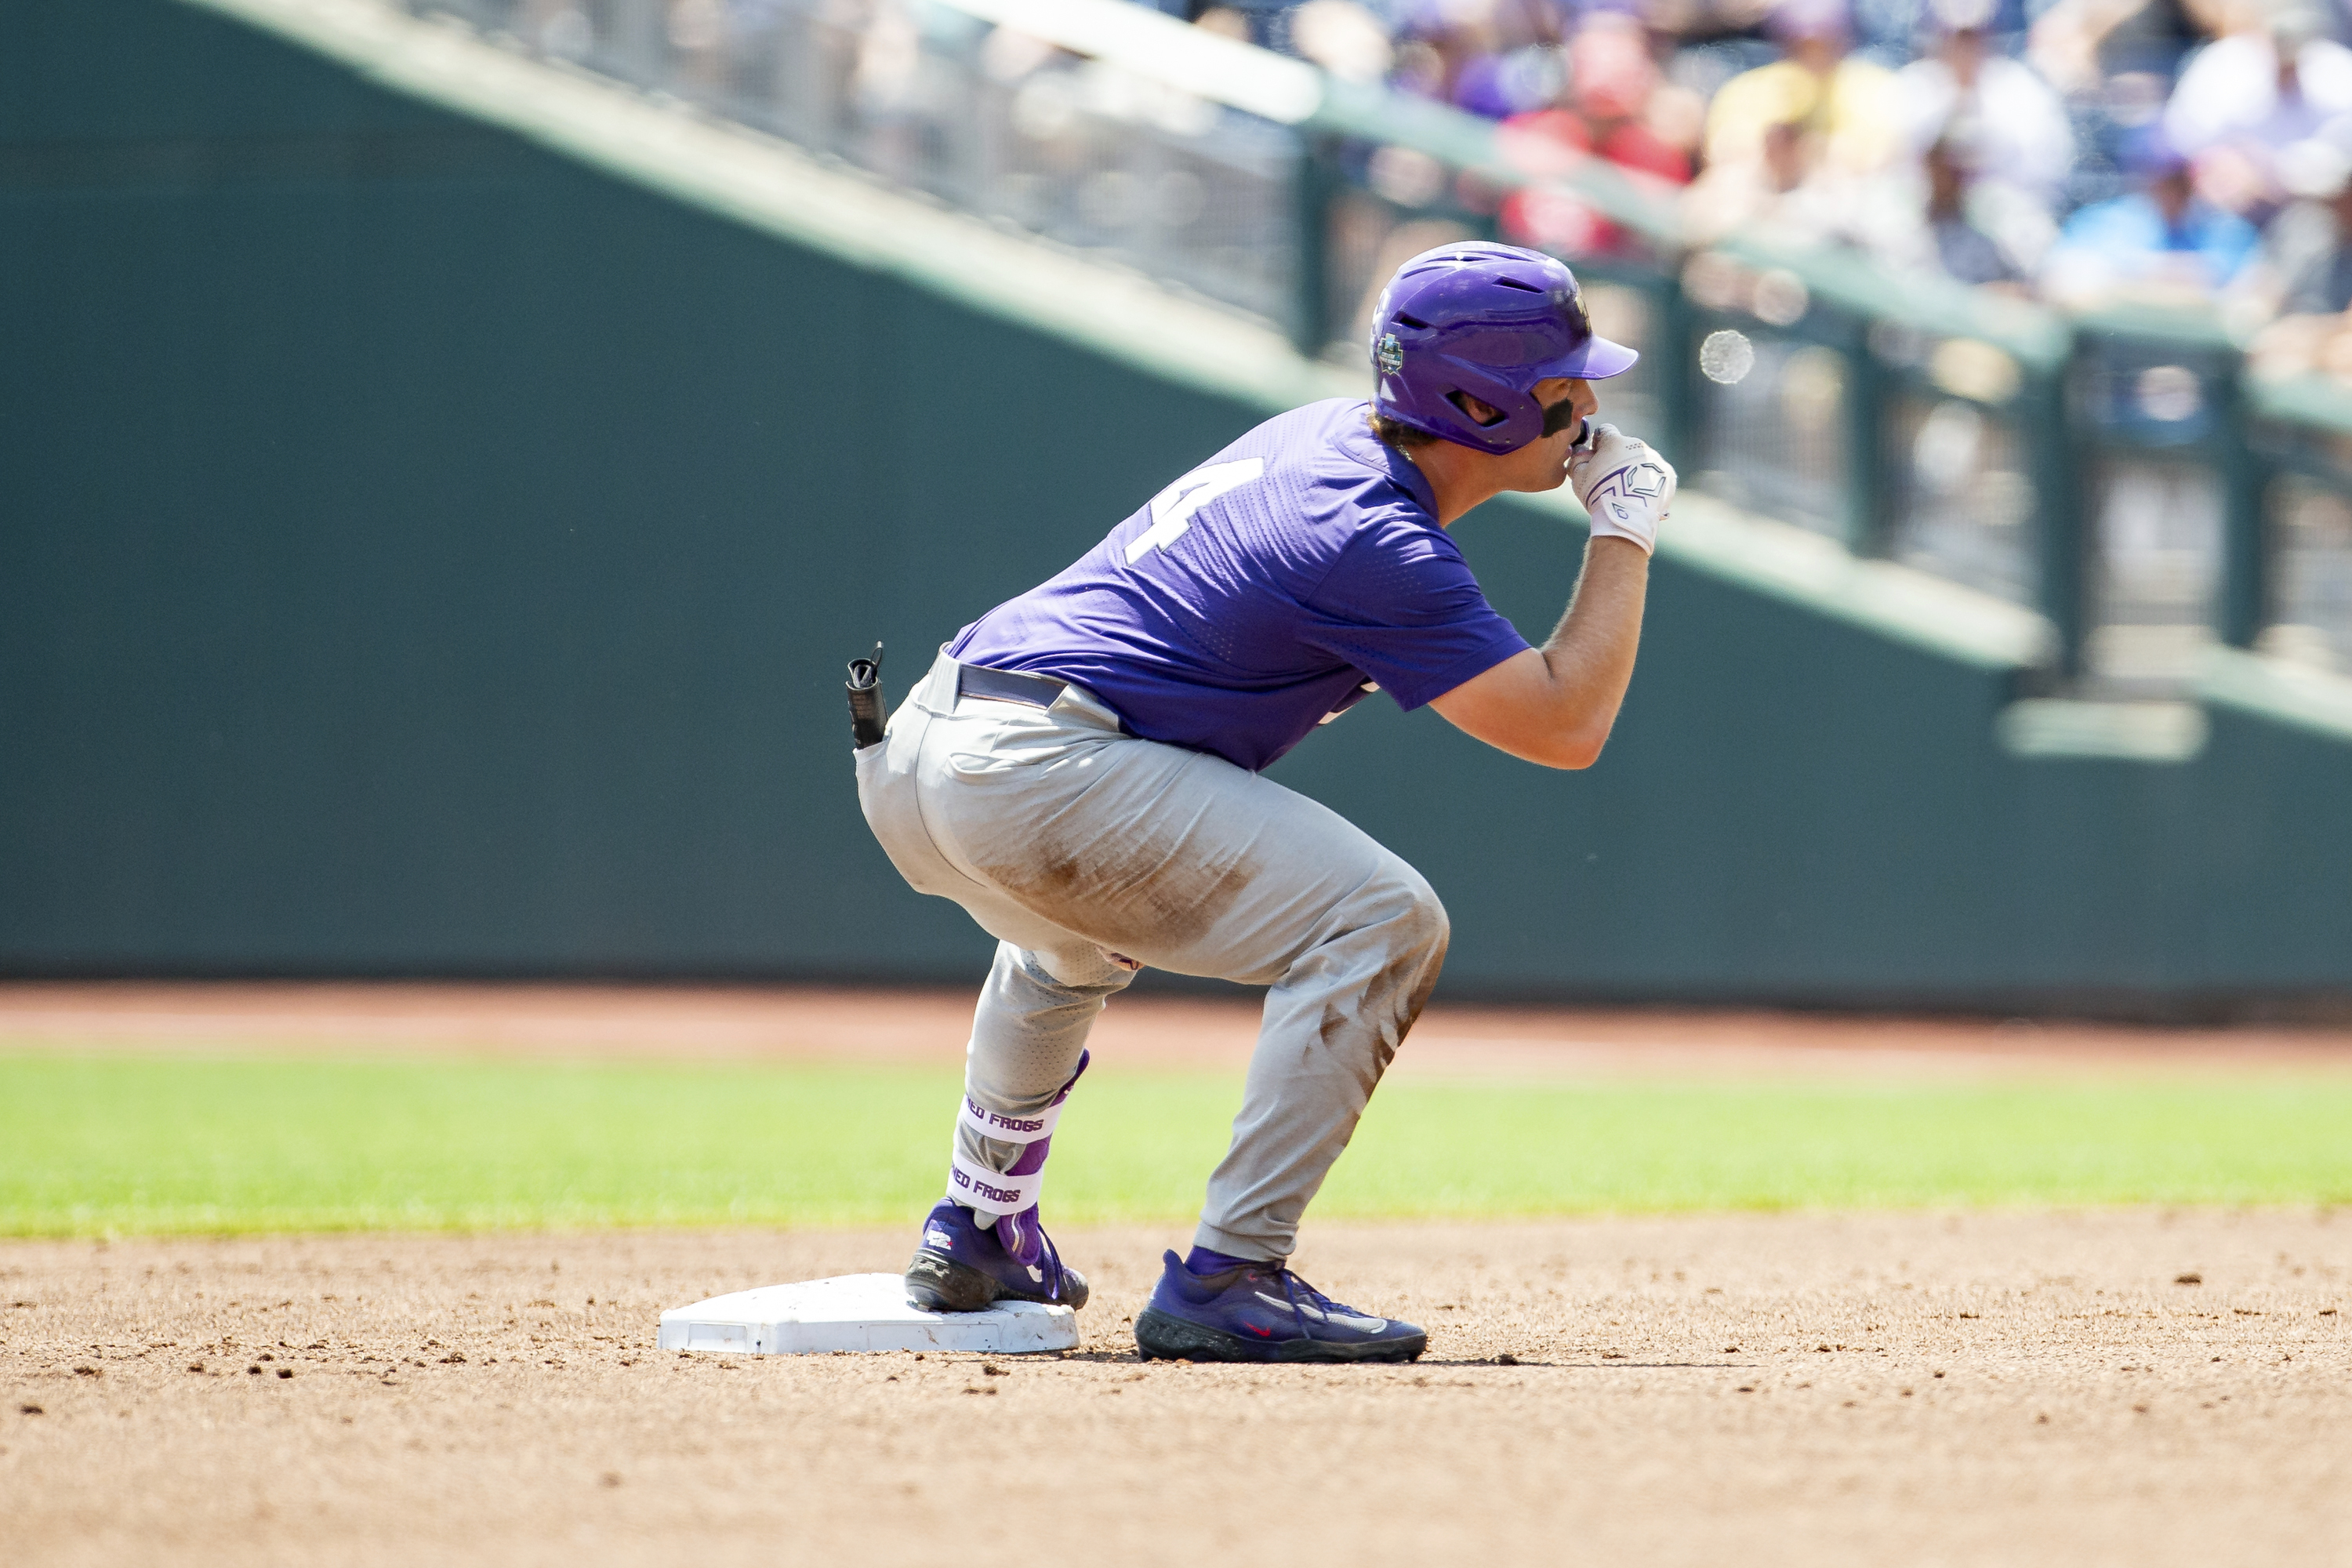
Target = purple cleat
(1262,1311)
(960,1268)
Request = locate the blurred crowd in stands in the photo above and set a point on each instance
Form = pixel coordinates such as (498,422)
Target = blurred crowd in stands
(2183,152)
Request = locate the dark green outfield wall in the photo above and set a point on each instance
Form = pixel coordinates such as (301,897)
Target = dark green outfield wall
(421,553)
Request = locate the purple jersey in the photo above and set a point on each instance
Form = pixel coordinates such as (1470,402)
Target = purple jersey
(1260,594)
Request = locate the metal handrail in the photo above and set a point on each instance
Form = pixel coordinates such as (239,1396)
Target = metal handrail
(1160,49)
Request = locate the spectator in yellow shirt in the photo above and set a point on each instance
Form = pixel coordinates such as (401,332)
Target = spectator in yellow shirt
(1845,107)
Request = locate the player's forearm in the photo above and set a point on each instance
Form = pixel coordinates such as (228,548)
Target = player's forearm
(1589,654)
(1556,704)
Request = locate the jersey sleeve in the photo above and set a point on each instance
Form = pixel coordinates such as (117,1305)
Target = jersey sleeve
(1401,604)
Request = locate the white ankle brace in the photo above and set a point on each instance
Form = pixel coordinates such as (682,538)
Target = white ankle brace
(1009,1128)
(990,1193)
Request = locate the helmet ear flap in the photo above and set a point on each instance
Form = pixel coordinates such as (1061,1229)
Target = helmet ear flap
(1522,416)
(1444,415)
(1487,421)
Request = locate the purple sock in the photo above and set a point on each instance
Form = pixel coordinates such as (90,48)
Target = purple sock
(1200,1260)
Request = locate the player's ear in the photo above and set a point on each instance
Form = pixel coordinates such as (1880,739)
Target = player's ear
(1481,412)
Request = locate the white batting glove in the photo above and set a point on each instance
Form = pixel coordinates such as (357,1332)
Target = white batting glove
(1624,485)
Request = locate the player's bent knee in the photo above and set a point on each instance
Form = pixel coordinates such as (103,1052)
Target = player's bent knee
(1414,929)
(1407,907)
(1435,924)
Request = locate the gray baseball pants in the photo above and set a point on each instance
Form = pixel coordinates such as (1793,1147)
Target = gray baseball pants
(1078,847)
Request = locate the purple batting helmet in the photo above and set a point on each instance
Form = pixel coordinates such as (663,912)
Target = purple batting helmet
(1490,321)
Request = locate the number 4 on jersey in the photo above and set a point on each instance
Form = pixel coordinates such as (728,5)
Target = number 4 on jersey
(1172,509)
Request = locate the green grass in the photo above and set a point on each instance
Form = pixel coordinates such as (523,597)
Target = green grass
(107,1144)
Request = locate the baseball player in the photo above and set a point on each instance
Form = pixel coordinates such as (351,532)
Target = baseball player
(1081,771)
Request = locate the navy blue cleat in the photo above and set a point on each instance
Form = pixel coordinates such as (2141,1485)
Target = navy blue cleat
(960,1268)
(1262,1311)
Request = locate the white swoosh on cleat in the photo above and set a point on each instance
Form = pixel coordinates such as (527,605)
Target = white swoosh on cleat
(1343,1319)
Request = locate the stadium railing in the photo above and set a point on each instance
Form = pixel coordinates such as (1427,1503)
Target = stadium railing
(2119,470)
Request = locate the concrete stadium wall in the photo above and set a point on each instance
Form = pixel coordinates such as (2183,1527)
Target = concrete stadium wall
(423,552)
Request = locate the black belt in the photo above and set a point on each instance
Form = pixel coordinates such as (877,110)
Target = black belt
(1008,684)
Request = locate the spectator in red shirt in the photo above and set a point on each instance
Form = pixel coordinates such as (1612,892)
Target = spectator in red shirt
(1607,112)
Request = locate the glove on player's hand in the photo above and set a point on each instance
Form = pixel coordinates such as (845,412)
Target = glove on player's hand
(1622,483)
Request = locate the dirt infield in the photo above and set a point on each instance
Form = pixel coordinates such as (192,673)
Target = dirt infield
(837,1023)
(1912,1389)
(1917,1389)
